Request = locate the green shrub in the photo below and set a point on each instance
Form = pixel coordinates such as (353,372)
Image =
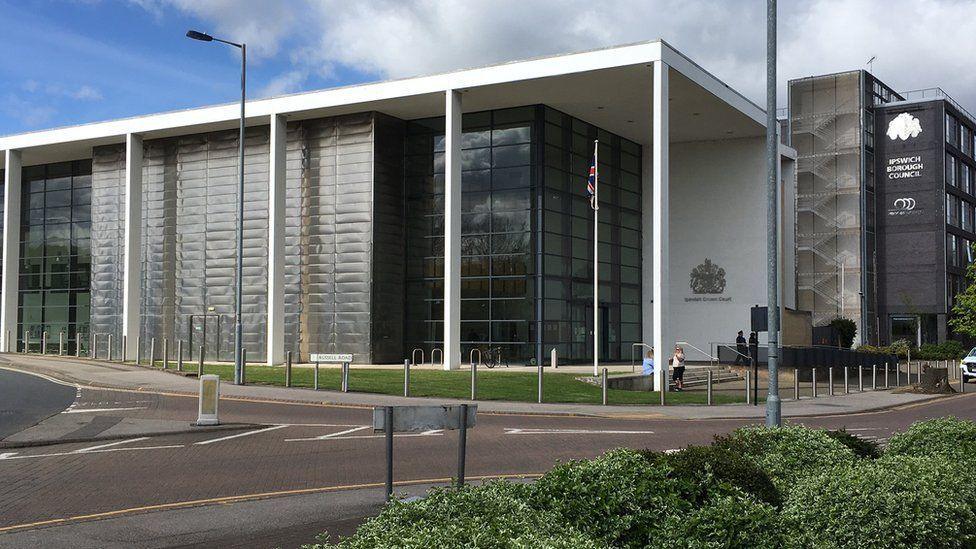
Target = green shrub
(787,454)
(495,515)
(727,521)
(948,437)
(867,449)
(900,347)
(948,350)
(619,499)
(846,330)
(711,471)
(893,502)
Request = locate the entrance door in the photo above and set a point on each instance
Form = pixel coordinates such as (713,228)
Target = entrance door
(906,327)
(205,330)
(604,332)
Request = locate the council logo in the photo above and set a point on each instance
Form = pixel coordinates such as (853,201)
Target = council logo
(707,278)
(907,204)
(903,127)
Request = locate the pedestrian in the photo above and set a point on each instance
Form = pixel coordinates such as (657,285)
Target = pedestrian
(754,347)
(741,350)
(677,361)
(648,364)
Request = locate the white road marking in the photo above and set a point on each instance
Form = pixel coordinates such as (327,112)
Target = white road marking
(346,432)
(866,429)
(238,435)
(95,410)
(6,457)
(431,433)
(511,431)
(110,444)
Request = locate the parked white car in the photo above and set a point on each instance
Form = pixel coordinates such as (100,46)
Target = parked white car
(968,366)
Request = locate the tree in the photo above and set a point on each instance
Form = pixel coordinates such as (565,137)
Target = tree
(846,330)
(963,319)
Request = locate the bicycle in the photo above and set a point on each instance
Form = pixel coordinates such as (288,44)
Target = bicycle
(494,358)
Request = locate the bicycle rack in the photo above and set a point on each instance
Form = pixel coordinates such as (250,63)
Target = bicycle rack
(471,356)
(413,356)
(434,352)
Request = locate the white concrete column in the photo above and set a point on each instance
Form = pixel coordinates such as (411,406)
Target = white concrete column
(452,230)
(276,241)
(132,251)
(660,219)
(10,285)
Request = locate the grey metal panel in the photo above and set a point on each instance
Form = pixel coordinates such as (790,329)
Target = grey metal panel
(107,240)
(328,235)
(189,238)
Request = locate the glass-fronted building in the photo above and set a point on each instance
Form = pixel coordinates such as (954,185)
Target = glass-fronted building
(371,212)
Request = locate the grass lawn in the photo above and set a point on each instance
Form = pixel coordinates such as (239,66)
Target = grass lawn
(510,386)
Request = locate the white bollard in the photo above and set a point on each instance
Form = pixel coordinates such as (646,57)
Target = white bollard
(552,358)
(209,398)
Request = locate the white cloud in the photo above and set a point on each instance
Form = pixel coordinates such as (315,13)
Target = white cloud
(288,82)
(397,38)
(30,114)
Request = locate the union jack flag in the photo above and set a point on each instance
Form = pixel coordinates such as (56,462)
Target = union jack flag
(591,184)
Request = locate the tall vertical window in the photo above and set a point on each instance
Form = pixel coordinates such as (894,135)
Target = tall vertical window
(950,170)
(55,253)
(966,139)
(951,129)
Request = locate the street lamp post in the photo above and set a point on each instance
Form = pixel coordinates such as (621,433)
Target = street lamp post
(239,274)
(773,406)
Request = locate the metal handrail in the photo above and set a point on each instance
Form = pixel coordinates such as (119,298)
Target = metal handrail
(733,349)
(433,352)
(413,356)
(471,356)
(711,359)
(633,364)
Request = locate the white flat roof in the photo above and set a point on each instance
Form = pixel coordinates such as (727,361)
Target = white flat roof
(609,87)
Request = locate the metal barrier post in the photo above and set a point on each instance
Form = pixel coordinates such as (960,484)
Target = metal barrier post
(200,363)
(708,387)
(288,369)
(179,355)
(847,381)
(315,377)
(962,383)
(44,342)
(540,384)
(860,377)
(898,374)
(166,353)
(243,365)
(918,374)
(388,424)
(552,358)
(406,378)
(108,352)
(77,346)
(474,381)
(124,349)
(664,389)
(345,377)
(887,381)
(26,341)
(874,377)
(152,353)
(796,384)
(138,350)
(462,442)
(814,373)
(60,343)
(93,350)
(604,386)
(830,381)
(748,387)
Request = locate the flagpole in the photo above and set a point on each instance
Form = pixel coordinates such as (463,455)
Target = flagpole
(596,257)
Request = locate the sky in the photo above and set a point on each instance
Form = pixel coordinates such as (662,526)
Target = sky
(65,62)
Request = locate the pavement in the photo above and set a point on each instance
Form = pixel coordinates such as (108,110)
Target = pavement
(127,376)
(289,470)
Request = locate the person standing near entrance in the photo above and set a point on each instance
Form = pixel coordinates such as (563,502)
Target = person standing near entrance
(678,363)
(741,349)
(754,347)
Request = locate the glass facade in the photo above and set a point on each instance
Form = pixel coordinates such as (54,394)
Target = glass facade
(55,254)
(526,235)
(960,201)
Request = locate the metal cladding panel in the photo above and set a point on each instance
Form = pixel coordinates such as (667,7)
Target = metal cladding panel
(189,241)
(328,236)
(911,201)
(107,241)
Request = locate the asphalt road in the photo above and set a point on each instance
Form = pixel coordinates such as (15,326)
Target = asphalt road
(307,469)
(26,400)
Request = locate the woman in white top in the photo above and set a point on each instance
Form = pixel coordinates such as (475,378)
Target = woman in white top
(678,363)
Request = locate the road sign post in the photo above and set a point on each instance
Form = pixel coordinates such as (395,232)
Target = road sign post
(399,419)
